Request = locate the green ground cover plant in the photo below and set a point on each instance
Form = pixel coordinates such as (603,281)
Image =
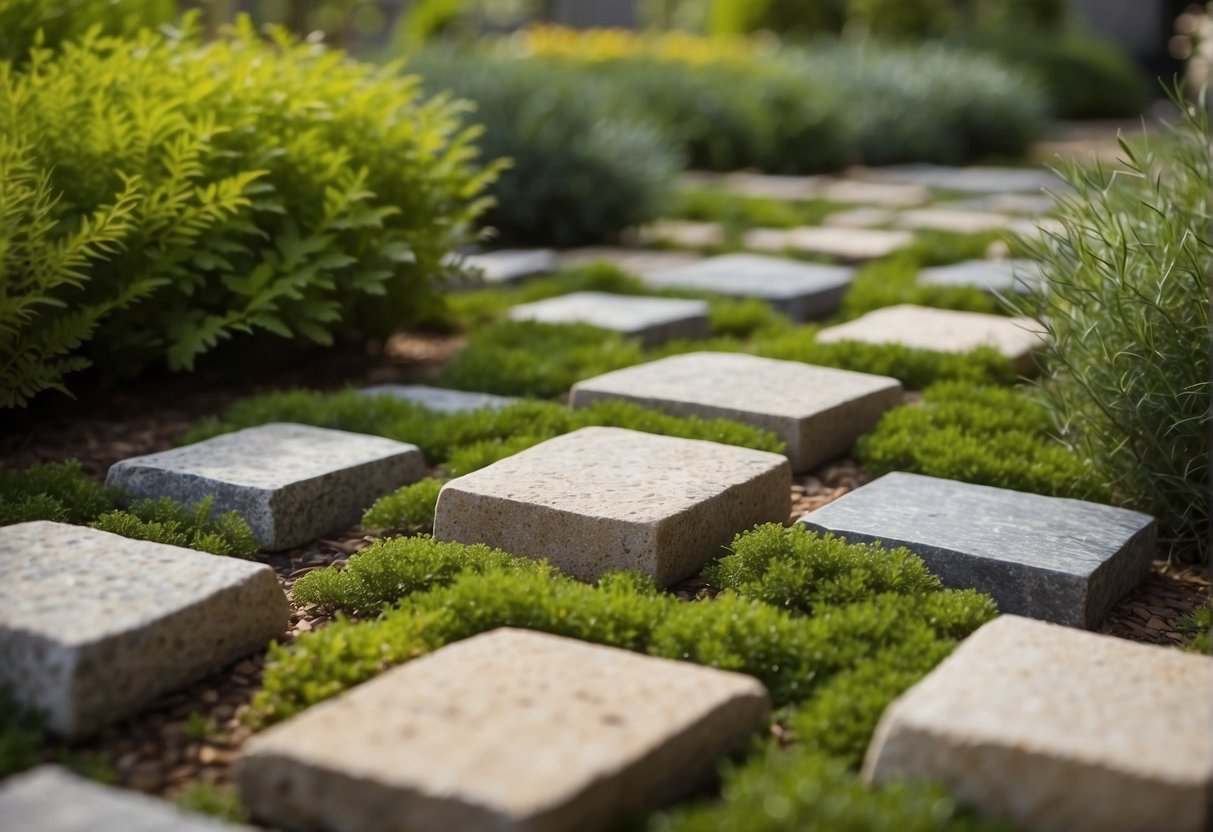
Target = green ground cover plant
(165,520)
(409,509)
(25,743)
(1196,625)
(980,434)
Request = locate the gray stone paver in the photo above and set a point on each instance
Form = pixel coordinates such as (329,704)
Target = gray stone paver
(653,320)
(1056,729)
(601,499)
(51,799)
(440,399)
(1024,205)
(818,411)
(511,265)
(291,483)
(852,245)
(94,626)
(639,261)
(973,179)
(864,217)
(887,194)
(797,289)
(955,220)
(508,730)
(993,276)
(1060,560)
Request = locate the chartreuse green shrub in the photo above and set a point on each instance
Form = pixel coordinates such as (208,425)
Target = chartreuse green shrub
(49,23)
(162,195)
(979,434)
(1125,307)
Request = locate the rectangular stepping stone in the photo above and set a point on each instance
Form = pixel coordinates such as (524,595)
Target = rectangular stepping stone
(865,217)
(291,483)
(512,265)
(985,180)
(994,276)
(603,499)
(508,730)
(52,799)
(1058,730)
(440,399)
(685,233)
(94,626)
(887,194)
(653,320)
(1060,560)
(1026,205)
(772,186)
(639,261)
(818,411)
(851,245)
(942,330)
(952,219)
(795,288)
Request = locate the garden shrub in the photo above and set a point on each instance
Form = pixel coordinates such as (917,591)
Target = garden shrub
(985,435)
(49,23)
(161,195)
(165,520)
(409,509)
(1125,306)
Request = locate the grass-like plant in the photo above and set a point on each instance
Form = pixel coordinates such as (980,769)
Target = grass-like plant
(1197,625)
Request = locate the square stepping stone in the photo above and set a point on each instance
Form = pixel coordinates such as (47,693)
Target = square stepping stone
(984,180)
(652,320)
(637,261)
(684,233)
(512,265)
(94,626)
(954,220)
(818,411)
(1060,560)
(795,288)
(852,245)
(508,730)
(603,499)
(942,330)
(52,799)
(291,483)
(1001,277)
(440,399)
(1058,730)
(773,186)
(864,217)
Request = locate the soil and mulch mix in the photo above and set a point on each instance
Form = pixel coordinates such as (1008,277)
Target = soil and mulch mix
(196,734)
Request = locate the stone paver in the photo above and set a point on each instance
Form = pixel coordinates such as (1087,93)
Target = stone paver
(94,626)
(440,398)
(52,799)
(291,483)
(602,499)
(1024,205)
(760,185)
(888,194)
(638,261)
(653,320)
(942,330)
(865,217)
(818,411)
(685,233)
(982,180)
(955,220)
(848,244)
(1057,730)
(797,289)
(507,730)
(1061,560)
(511,265)
(993,276)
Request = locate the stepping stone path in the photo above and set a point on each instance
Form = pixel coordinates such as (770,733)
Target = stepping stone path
(1061,560)
(981,180)
(993,276)
(94,626)
(440,399)
(450,740)
(52,799)
(653,320)
(684,233)
(602,499)
(954,220)
(852,245)
(888,194)
(291,483)
(797,289)
(637,261)
(942,330)
(818,411)
(512,265)
(1056,730)
(865,217)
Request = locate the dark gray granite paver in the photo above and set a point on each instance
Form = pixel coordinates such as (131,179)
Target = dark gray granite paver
(291,483)
(653,320)
(440,398)
(993,276)
(797,289)
(1060,560)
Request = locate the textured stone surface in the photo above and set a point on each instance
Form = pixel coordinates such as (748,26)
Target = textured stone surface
(1066,561)
(93,626)
(509,730)
(848,244)
(958,221)
(638,261)
(291,483)
(52,799)
(440,398)
(601,499)
(975,179)
(1059,730)
(942,330)
(509,265)
(994,276)
(818,411)
(653,320)
(797,289)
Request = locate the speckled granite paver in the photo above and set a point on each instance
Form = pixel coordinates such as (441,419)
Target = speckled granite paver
(509,730)
(601,499)
(291,483)
(818,411)
(942,330)
(1059,730)
(797,289)
(851,245)
(52,799)
(511,265)
(1060,560)
(975,179)
(439,398)
(653,320)
(993,276)
(93,626)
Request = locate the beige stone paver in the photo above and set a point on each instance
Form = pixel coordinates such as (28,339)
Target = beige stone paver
(653,320)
